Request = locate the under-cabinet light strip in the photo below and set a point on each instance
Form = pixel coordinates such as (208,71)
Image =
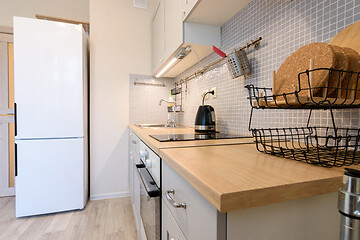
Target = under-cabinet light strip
(166,67)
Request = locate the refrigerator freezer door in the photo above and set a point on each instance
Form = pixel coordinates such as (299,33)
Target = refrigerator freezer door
(49,79)
(50,176)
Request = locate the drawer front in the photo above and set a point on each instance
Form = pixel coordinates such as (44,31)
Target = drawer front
(199,219)
(134,143)
(170,229)
(133,159)
(136,198)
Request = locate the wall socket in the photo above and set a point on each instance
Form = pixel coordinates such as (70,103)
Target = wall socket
(215,92)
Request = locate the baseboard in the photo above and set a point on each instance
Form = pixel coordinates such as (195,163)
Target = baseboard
(7,192)
(109,195)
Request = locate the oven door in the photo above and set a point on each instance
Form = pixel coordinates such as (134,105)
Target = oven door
(150,201)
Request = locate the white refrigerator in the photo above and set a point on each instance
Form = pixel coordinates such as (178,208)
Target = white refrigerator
(51,162)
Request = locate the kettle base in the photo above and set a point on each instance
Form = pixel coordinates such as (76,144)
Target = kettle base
(205,128)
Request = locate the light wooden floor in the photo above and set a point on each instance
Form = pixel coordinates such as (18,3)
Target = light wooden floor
(103,219)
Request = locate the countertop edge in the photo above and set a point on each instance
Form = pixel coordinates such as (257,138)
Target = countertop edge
(254,198)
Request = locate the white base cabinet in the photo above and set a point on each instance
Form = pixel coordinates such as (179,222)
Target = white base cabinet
(134,183)
(198,219)
(309,218)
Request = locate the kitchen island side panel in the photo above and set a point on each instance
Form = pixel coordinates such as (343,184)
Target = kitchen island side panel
(307,218)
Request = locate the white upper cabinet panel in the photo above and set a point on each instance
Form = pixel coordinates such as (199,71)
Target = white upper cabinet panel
(173,26)
(170,34)
(188,5)
(49,79)
(212,12)
(158,37)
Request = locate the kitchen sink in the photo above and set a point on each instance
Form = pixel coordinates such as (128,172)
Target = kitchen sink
(154,126)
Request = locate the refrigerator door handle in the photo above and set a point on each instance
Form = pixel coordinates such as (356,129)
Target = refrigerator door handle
(16,165)
(15,113)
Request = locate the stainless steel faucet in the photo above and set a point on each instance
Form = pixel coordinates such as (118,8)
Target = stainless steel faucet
(170,122)
(164,100)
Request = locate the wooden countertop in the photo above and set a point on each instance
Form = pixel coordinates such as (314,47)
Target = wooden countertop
(144,135)
(236,177)
(232,175)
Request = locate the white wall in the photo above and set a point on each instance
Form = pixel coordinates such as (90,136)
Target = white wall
(71,9)
(120,44)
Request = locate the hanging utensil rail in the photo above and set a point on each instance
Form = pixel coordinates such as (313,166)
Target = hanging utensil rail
(150,84)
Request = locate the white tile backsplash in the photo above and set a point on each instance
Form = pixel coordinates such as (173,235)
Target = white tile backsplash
(284,27)
(144,100)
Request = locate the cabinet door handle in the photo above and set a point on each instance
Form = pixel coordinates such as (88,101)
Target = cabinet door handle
(16,167)
(171,200)
(15,113)
(133,142)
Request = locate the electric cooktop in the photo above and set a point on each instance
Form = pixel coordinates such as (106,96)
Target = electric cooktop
(195,136)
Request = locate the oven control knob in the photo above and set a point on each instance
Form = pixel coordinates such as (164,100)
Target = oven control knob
(148,163)
(144,154)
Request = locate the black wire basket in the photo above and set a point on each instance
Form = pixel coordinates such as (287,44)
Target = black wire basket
(322,146)
(341,90)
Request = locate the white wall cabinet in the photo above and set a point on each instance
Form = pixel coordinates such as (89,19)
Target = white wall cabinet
(158,37)
(173,26)
(181,23)
(170,33)
(167,31)
(188,5)
(212,12)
